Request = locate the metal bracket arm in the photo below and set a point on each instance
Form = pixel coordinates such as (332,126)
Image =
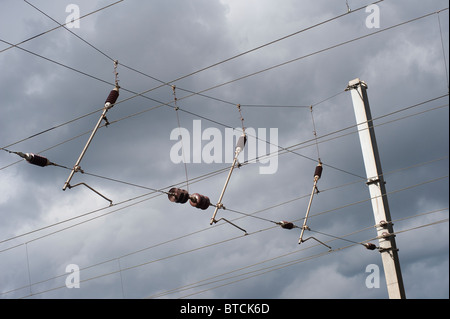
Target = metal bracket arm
(321,242)
(110,201)
(232,224)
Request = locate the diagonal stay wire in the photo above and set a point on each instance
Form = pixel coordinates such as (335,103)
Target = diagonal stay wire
(190,74)
(264,70)
(67,29)
(208,281)
(303,259)
(258,72)
(174,255)
(55,28)
(201,247)
(246,215)
(110,58)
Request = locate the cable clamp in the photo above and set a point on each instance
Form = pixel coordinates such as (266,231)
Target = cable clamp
(386,235)
(382,250)
(371,181)
(383,224)
(355,84)
(77,168)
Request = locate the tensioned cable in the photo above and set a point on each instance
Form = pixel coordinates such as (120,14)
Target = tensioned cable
(208,281)
(316,214)
(152,108)
(129,116)
(55,28)
(295,262)
(139,265)
(212,173)
(203,69)
(273,258)
(122,65)
(443,49)
(283,265)
(320,51)
(293,106)
(138,94)
(375,119)
(372,126)
(268,228)
(156,190)
(258,72)
(206,246)
(67,29)
(169,83)
(140,250)
(226,60)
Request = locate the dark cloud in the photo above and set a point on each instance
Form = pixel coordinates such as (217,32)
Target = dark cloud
(153,246)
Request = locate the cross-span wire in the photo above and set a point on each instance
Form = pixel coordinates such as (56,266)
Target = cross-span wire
(196,284)
(185,76)
(63,25)
(300,260)
(217,171)
(290,61)
(145,199)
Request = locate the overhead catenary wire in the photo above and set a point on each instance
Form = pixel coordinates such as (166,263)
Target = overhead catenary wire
(213,173)
(283,255)
(208,280)
(59,26)
(145,199)
(226,60)
(223,170)
(221,242)
(229,272)
(264,70)
(300,260)
(443,48)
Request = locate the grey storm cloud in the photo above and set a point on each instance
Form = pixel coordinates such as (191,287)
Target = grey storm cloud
(146,246)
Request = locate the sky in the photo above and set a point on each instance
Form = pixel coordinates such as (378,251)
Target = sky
(183,68)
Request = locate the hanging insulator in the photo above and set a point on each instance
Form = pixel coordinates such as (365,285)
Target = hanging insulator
(37,160)
(112,97)
(318,171)
(199,201)
(370,246)
(286,225)
(241,143)
(178,195)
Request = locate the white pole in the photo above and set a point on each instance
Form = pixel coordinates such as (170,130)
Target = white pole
(377,190)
